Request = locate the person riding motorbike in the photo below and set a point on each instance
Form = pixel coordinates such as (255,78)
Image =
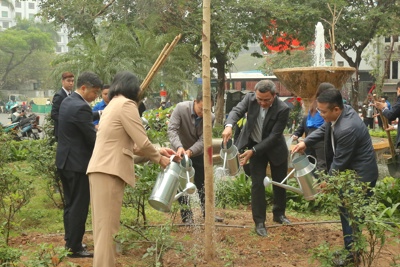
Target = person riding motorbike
(15,115)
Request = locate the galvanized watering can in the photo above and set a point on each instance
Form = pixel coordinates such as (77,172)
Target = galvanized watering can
(303,172)
(175,176)
(230,156)
(370,112)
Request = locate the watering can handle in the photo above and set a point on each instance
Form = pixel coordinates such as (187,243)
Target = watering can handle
(171,158)
(310,156)
(291,156)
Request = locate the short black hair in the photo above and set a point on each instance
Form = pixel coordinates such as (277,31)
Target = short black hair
(199,98)
(105,86)
(324,86)
(333,97)
(264,86)
(125,83)
(90,79)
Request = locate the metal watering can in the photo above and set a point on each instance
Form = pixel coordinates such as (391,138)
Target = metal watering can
(168,182)
(370,112)
(302,169)
(230,156)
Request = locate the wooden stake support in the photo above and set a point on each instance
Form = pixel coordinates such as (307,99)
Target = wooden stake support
(157,64)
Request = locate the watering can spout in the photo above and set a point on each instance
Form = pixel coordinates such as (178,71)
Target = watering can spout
(189,190)
(268,181)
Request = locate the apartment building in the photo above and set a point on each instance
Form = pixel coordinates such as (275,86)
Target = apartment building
(11,10)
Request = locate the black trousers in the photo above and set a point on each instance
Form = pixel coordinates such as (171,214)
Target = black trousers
(198,166)
(76,207)
(258,166)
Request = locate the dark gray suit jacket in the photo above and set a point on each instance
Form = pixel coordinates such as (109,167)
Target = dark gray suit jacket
(55,108)
(76,134)
(273,144)
(353,145)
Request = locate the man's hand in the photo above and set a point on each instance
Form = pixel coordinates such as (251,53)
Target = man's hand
(380,105)
(227,134)
(245,156)
(181,152)
(189,153)
(390,128)
(300,147)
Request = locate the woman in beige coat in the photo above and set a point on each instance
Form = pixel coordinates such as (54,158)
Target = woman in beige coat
(120,136)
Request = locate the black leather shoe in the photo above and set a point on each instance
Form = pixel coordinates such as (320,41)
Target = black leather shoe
(281,219)
(261,230)
(188,221)
(340,261)
(218,219)
(81,254)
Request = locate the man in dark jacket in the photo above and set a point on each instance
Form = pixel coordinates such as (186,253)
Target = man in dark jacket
(67,81)
(76,140)
(262,136)
(391,113)
(348,146)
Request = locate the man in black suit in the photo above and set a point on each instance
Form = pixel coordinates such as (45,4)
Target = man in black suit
(67,81)
(348,146)
(76,138)
(262,135)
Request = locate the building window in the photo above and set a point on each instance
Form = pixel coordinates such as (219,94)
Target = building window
(340,63)
(31,16)
(4,14)
(18,14)
(17,4)
(387,39)
(59,40)
(58,49)
(395,70)
(6,24)
(395,38)
(31,5)
(4,3)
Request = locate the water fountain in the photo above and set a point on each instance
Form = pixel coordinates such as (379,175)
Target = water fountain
(304,81)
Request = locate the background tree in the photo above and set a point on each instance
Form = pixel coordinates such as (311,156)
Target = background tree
(17,45)
(360,21)
(234,24)
(113,37)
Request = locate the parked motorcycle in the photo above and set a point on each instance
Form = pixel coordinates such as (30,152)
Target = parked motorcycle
(25,128)
(29,127)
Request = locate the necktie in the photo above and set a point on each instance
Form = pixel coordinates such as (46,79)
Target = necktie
(333,141)
(197,120)
(259,126)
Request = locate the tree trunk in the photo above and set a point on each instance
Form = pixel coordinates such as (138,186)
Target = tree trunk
(220,103)
(207,137)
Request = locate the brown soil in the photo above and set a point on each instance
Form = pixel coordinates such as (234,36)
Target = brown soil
(235,244)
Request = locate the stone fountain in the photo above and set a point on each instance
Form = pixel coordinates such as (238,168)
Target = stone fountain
(304,81)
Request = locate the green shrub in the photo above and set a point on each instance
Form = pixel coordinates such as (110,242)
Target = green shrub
(233,192)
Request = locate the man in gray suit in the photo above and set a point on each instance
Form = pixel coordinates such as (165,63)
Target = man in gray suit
(262,136)
(348,146)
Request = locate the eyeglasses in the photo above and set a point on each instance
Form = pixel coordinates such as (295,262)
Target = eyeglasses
(265,100)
